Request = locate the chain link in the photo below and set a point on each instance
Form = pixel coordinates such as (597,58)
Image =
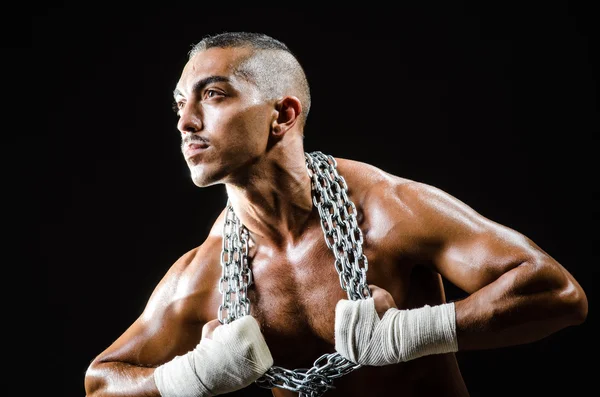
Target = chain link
(339,224)
(236,276)
(342,236)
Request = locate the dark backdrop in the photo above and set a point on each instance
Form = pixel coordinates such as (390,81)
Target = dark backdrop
(496,105)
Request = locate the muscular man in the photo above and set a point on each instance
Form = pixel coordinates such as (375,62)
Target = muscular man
(315,256)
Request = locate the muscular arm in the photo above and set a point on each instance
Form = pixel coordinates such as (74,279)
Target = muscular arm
(168,326)
(518,293)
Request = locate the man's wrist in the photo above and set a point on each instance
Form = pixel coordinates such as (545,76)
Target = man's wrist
(400,335)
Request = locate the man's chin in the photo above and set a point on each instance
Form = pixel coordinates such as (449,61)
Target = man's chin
(203,175)
(200,182)
(203,180)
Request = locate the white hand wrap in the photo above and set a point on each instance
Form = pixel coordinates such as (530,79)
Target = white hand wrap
(232,359)
(401,335)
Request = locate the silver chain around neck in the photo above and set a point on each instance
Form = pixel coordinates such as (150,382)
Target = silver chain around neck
(343,237)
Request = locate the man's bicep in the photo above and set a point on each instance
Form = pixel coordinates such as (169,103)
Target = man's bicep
(473,261)
(163,331)
(468,249)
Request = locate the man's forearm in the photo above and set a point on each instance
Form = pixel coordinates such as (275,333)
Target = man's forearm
(524,305)
(117,379)
(235,356)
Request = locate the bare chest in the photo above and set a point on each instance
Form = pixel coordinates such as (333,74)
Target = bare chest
(295,290)
(293,297)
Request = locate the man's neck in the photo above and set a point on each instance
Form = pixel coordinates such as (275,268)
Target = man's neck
(277,203)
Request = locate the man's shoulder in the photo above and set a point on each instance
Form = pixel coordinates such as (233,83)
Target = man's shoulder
(216,230)
(205,252)
(367,177)
(372,185)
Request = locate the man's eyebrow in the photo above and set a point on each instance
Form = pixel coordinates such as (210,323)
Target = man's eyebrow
(200,84)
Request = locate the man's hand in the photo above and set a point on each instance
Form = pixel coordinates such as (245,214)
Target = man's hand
(383,300)
(229,357)
(374,332)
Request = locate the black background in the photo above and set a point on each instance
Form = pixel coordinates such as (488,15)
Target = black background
(496,105)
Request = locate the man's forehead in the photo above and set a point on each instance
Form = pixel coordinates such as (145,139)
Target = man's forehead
(213,62)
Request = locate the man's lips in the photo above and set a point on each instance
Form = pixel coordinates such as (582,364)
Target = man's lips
(193,148)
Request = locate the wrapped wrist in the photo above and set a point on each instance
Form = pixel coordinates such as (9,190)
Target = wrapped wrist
(401,335)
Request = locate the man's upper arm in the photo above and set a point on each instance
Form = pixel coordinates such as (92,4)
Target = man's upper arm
(466,248)
(167,327)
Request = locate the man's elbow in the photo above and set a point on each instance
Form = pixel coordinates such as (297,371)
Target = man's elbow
(575,303)
(564,296)
(92,380)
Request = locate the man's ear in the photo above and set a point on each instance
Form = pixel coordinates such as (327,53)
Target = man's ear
(288,109)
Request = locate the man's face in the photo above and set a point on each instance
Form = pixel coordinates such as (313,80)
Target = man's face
(223,120)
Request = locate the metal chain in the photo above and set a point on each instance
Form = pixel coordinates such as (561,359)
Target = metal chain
(340,227)
(342,236)
(236,275)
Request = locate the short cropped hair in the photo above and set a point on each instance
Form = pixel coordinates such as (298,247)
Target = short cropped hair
(273,67)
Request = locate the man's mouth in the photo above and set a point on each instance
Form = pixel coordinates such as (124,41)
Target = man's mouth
(194,148)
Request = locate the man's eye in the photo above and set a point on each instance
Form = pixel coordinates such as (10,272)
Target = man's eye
(177,106)
(212,93)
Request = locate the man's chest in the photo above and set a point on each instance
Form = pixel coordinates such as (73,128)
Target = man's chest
(295,291)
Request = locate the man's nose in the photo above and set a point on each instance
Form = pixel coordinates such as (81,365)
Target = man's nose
(190,119)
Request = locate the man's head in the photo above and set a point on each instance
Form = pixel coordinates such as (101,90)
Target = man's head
(272,66)
(239,95)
